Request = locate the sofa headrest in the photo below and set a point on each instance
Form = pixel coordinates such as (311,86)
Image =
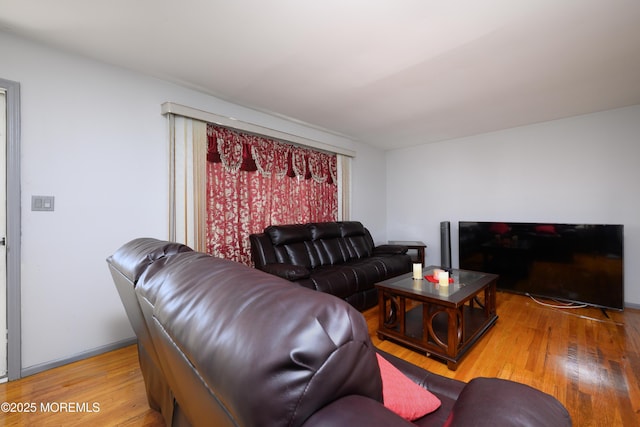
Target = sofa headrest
(272,351)
(324,230)
(352,228)
(288,234)
(135,256)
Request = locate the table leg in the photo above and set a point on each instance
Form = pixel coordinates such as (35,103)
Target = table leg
(455,332)
(391,317)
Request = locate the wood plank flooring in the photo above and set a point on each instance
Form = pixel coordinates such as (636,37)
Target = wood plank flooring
(112,381)
(591,363)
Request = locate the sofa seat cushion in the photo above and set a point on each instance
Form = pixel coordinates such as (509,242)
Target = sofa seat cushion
(288,271)
(374,266)
(357,411)
(356,275)
(366,272)
(496,402)
(394,264)
(335,280)
(403,396)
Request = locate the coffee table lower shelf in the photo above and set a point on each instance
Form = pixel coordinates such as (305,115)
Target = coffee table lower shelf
(437,323)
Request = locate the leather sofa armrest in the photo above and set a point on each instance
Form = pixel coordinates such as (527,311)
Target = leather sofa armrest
(497,402)
(287,271)
(390,249)
(355,410)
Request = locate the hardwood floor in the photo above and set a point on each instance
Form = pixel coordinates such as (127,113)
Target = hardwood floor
(112,381)
(591,363)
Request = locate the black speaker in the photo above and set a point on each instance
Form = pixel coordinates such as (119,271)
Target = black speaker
(445,245)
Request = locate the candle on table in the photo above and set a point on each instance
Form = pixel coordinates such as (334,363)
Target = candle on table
(443,278)
(417,271)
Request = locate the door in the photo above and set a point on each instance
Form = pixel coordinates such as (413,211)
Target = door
(3,225)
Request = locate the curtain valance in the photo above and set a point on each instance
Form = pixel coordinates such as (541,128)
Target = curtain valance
(242,151)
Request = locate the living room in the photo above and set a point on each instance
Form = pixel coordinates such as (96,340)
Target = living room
(92,136)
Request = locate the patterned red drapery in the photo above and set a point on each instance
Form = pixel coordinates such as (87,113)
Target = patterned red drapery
(253,182)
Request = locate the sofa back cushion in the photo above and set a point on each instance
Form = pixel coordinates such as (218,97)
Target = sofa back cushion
(328,243)
(133,258)
(357,238)
(317,244)
(267,351)
(290,243)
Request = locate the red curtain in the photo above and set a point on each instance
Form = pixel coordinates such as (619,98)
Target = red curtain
(254,182)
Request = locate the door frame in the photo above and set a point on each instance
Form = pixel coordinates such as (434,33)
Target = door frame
(13,234)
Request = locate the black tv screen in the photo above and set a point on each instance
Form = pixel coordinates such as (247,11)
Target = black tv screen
(581,263)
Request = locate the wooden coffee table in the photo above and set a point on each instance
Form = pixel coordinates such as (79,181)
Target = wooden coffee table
(442,321)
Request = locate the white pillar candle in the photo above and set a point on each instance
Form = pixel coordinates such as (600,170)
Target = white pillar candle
(443,278)
(417,271)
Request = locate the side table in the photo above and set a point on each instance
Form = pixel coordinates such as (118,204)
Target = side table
(416,245)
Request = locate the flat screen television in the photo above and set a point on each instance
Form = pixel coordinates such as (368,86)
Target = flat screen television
(579,263)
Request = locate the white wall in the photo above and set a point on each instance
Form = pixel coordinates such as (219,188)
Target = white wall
(369,191)
(578,170)
(93,137)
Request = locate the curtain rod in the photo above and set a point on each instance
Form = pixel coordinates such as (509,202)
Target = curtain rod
(193,113)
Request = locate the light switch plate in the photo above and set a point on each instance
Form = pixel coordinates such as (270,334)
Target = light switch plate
(42,203)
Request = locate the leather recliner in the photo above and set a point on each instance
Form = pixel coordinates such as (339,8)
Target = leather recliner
(227,345)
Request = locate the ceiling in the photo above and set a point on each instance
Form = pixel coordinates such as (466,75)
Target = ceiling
(391,73)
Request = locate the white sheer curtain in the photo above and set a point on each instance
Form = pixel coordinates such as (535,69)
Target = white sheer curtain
(187,180)
(344,187)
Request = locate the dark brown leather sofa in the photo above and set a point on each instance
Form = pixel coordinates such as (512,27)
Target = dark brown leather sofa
(338,258)
(222,344)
